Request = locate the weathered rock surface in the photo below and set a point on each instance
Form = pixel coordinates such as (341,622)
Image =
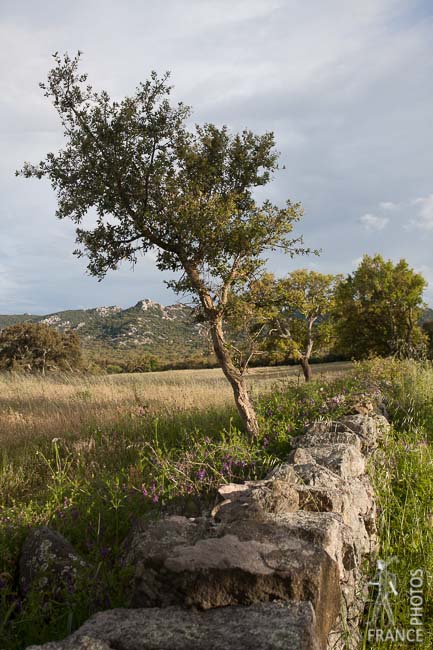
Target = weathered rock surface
(49,563)
(309,473)
(269,626)
(158,538)
(258,565)
(256,500)
(314,437)
(344,460)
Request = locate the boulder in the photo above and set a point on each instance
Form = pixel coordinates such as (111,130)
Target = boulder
(49,563)
(316,438)
(370,429)
(158,538)
(314,474)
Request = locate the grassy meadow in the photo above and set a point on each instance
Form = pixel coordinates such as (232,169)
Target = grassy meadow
(67,405)
(88,456)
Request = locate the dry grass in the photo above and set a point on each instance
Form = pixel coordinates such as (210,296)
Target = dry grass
(40,407)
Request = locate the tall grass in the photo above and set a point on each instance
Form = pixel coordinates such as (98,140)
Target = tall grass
(96,454)
(68,405)
(402,473)
(92,481)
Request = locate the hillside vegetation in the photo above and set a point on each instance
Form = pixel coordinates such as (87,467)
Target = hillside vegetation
(144,337)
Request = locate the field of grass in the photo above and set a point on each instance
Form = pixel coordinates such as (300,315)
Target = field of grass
(90,455)
(67,405)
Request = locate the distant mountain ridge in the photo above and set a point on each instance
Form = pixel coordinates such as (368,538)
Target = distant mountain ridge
(147,325)
(167,331)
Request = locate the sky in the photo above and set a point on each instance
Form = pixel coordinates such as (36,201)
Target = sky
(346,86)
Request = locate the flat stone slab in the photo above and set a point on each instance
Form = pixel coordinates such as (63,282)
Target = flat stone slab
(269,626)
(315,438)
(157,538)
(255,500)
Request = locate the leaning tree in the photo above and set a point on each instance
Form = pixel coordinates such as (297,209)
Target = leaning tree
(152,183)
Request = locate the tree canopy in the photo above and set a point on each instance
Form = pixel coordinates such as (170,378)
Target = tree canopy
(36,347)
(155,184)
(378,308)
(289,315)
(303,302)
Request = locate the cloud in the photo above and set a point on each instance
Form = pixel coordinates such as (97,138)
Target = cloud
(424,220)
(335,90)
(373,223)
(389,205)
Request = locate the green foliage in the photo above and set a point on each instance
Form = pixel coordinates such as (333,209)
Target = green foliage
(402,477)
(427,327)
(378,308)
(302,304)
(155,185)
(38,348)
(285,317)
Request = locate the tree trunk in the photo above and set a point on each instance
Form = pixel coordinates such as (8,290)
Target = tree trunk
(306,368)
(233,375)
(305,358)
(235,378)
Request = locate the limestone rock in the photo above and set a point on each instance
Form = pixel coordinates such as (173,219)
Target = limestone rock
(158,538)
(314,474)
(262,564)
(315,437)
(256,500)
(268,626)
(300,456)
(370,428)
(344,460)
(48,562)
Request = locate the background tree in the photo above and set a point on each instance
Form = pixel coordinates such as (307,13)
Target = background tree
(153,184)
(293,316)
(36,347)
(427,328)
(378,308)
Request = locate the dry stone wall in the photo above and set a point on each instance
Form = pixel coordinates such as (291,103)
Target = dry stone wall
(275,565)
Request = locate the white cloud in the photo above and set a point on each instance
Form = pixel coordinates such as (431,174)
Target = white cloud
(372,222)
(388,205)
(424,219)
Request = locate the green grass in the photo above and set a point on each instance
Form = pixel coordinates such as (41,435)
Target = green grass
(91,482)
(402,473)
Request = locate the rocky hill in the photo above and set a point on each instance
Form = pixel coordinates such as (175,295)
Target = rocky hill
(147,325)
